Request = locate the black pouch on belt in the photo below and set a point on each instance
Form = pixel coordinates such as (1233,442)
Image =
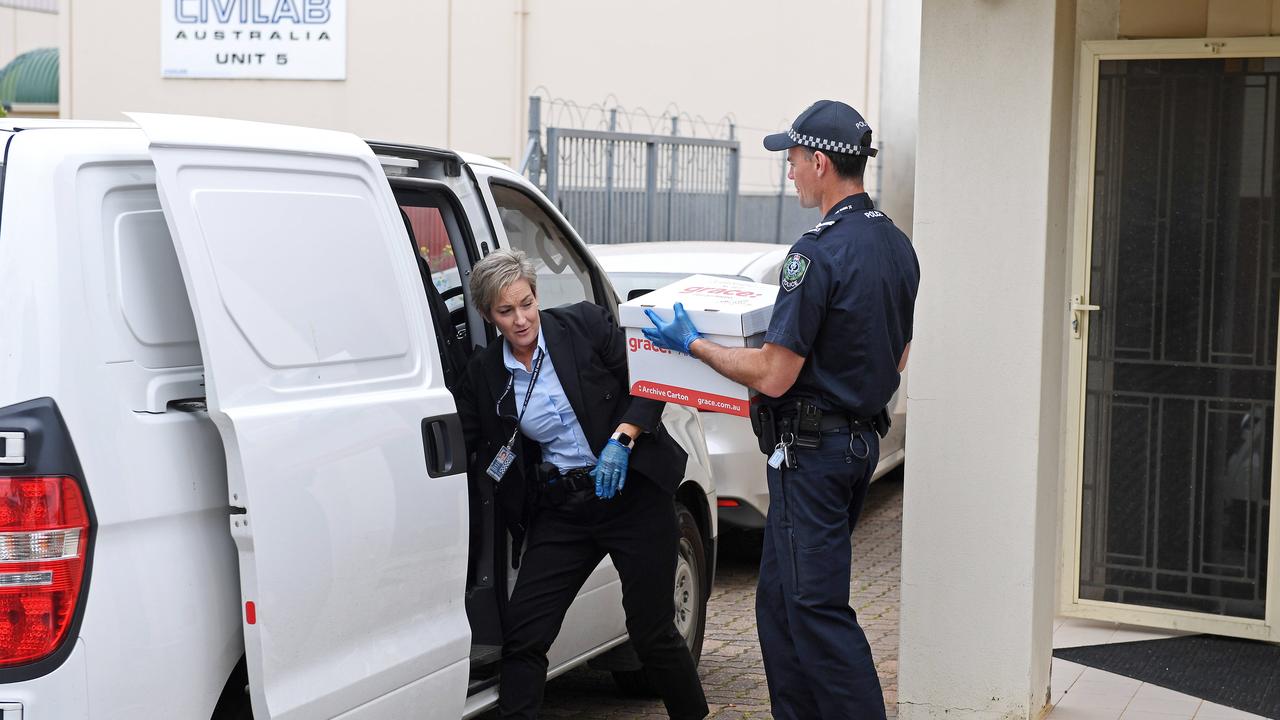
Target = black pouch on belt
(808,424)
(551,492)
(763,425)
(882,422)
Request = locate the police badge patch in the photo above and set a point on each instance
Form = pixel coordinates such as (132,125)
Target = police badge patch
(793,271)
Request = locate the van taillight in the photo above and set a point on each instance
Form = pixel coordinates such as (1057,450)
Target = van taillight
(44,530)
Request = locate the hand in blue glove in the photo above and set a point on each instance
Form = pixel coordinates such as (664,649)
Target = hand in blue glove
(611,470)
(678,334)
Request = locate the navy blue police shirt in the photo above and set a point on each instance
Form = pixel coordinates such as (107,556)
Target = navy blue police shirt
(846,295)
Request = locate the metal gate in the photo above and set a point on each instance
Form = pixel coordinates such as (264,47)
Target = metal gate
(627,187)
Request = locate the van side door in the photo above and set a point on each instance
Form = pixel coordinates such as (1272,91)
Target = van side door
(344,453)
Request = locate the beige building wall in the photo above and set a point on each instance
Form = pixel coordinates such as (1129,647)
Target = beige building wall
(1197,18)
(396,87)
(458,74)
(23,30)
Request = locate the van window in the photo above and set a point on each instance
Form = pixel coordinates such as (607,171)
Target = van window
(431,219)
(144,297)
(563,278)
(432,238)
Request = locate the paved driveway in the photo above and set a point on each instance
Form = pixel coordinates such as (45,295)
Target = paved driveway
(732,671)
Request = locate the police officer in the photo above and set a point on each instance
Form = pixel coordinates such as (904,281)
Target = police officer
(831,360)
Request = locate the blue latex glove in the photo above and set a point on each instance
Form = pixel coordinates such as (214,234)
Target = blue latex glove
(677,335)
(611,470)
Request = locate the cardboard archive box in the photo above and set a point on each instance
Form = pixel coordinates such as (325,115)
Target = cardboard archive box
(733,313)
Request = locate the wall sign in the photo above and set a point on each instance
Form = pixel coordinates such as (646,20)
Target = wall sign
(278,39)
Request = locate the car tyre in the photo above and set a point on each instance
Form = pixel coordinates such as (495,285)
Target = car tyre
(690,597)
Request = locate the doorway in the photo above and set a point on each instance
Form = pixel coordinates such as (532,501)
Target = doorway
(1174,338)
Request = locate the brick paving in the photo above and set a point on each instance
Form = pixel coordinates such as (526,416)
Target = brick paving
(731,668)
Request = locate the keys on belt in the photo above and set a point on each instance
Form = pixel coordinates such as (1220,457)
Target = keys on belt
(782,453)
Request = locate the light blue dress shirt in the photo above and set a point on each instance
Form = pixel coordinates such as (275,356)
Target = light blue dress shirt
(549,419)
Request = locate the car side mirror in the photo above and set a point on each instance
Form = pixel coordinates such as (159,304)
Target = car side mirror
(638,292)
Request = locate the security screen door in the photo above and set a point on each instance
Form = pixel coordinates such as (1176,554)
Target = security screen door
(1174,501)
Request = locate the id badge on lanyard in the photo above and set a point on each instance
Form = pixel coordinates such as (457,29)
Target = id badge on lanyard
(507,455)
(501,463)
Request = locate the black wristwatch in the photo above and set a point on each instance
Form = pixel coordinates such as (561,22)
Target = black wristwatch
(626,440)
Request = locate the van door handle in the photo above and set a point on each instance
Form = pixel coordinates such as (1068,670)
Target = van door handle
(442,437)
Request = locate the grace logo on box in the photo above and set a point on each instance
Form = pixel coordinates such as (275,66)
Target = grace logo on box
(730,292)
(636,344)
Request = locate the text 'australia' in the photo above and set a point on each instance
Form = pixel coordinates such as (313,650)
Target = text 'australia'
(251,35)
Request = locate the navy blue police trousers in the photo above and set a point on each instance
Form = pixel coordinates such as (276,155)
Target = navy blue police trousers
(816,656)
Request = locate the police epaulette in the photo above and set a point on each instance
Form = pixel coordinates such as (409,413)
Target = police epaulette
(817,229)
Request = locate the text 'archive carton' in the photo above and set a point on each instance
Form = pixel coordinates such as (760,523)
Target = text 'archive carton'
(733,313)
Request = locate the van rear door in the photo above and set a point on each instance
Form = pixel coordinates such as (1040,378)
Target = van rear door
(344,454)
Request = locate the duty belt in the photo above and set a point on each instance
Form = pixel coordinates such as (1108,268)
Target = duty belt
(571,480)
(803,424)
(829,423)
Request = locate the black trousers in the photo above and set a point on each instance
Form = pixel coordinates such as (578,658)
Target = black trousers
(638,530)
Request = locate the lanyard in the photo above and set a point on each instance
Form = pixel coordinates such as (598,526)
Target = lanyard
(528,394)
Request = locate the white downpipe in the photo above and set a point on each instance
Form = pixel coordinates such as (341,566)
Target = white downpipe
(521,81)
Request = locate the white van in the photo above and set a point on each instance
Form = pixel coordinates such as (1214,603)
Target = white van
(229,456)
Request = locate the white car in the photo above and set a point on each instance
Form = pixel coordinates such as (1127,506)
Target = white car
(232,473)
(736,461)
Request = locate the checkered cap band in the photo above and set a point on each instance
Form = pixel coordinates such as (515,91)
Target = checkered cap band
(824,144)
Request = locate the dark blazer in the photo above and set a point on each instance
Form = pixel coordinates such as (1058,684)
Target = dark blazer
(590,357)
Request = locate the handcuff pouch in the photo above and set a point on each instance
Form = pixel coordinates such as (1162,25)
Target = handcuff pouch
(764,425)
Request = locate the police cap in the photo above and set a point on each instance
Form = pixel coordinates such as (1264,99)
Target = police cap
(827,125)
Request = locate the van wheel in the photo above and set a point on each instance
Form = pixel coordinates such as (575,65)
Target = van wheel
(690,598)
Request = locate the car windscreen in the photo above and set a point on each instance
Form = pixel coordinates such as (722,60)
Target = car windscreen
(634,284)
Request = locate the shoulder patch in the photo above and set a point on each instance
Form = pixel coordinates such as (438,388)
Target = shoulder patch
(793,271)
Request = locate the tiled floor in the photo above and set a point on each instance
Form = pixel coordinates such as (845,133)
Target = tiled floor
(1085,693)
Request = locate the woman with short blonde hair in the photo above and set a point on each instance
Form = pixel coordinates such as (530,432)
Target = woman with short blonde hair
(582,467)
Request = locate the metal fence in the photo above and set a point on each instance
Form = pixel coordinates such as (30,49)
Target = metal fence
(628,187)
(774,218)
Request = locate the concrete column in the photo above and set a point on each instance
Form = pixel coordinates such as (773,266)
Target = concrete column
(982,498)
(895,133)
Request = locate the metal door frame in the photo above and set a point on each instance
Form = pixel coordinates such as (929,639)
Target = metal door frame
(1070,603)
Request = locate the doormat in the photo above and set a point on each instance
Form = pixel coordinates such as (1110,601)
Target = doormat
(1243,674)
